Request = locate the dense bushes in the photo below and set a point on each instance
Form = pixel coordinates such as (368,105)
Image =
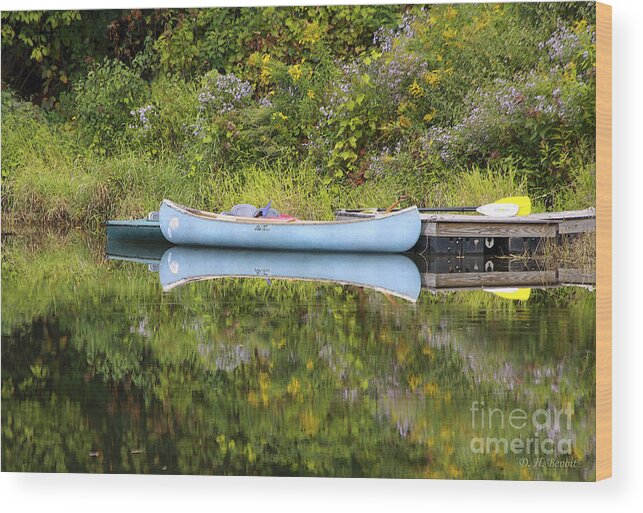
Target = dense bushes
(403,98)
(106,99)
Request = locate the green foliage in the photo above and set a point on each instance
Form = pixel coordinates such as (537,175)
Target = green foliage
(170,123)
(41,39)
(381,101)
(197,41)
(106,99)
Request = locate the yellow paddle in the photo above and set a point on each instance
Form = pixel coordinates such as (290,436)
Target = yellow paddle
(504,207)
(523,202)
(513,294)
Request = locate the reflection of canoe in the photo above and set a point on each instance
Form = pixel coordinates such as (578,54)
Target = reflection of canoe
(394,232)
(391,274)
(136,251)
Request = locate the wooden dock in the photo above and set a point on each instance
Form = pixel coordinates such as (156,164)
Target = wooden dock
(546,225)
(470,234)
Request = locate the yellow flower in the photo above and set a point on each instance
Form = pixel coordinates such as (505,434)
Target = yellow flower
(295,72)
(264,76)
(448,33)
(283,117)
(429,117)
(309,364)
(312,33)
(311,94)
(432,78)
(415,89)
(293,387)
(580,26)
(254,59)
(404,122)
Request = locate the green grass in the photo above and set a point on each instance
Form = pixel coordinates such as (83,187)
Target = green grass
(52,177)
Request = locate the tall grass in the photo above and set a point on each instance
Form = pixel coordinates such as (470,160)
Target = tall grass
(51,177)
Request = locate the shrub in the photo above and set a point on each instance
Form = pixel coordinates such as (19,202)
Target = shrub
(105,99)
(541,121)
(165,123)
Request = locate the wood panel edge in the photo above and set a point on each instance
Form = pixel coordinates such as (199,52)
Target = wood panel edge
(603,241)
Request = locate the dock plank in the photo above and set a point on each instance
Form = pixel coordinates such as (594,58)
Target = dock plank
(495,229)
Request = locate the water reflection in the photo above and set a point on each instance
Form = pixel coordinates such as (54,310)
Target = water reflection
(386,273)
(400,275)
(103,372)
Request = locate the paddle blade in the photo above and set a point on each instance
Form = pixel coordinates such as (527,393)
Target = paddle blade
(513,294)
(499,209)
(523,202)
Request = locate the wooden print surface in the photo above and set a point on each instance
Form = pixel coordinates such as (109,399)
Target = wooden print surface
(604,242)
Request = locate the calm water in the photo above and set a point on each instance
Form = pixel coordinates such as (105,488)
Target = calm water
(104,371)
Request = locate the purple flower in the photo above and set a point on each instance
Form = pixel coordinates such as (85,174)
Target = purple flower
(561,45)
(141,116)
(223,93)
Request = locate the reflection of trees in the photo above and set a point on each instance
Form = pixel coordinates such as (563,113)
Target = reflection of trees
(102,372)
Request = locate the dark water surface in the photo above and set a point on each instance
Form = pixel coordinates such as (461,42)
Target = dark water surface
(103,371)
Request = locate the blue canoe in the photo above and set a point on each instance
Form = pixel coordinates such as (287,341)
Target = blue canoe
(136,229)
(397,275)
(387,233)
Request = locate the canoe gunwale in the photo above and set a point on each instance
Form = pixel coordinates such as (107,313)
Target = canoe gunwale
(211,216)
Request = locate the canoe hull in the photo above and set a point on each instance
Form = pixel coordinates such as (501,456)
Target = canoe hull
(396,232)
(135,230)
(388,273)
